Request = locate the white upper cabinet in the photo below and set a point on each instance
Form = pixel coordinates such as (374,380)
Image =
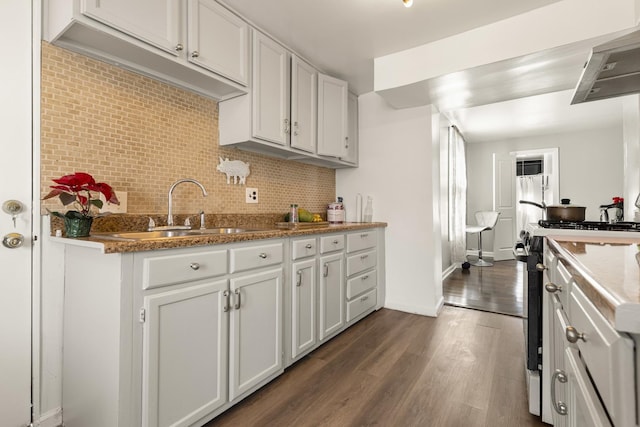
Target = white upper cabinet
(218,40)
(332,116)
(199,46)
(155,22)
(304,90)
(270,90)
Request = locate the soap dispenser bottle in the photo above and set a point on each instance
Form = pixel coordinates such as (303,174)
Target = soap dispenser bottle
(368,210)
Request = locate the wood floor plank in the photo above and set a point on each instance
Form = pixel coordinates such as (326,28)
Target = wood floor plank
(464,368)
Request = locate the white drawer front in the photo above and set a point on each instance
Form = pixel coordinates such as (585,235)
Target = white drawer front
(361,283)
(608,356)
(562,278)
(361,304)
(303,248)
(331,243)
(361,262)
(361,240)
(255,257)
(168,270)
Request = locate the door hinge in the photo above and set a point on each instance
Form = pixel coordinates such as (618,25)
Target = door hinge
(142,315)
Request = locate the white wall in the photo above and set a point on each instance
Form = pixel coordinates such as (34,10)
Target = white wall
(631,137)
(397,152)
(590,164)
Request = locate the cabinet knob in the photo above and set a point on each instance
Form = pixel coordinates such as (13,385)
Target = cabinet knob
(363,278)
(363,257)
(195,54)
(263,255)
(194,266)
(179,47)
(540,267)
(13,240)
(335,242)
(552,288)
(309,246)
(573,335)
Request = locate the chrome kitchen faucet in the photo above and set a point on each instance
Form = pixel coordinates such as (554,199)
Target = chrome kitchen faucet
(170,224)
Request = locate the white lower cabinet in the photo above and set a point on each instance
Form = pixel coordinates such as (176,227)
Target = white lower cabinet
(303,307)
(185,354)
(331,300)
(255,330)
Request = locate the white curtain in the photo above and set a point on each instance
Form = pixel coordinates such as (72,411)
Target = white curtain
(457,196)
(529,188)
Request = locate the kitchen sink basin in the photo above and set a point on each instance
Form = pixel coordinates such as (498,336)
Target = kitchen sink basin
(168,234)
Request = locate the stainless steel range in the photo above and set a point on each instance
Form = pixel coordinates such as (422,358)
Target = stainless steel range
(530,251)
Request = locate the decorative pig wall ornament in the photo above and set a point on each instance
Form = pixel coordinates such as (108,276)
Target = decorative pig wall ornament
(234,168)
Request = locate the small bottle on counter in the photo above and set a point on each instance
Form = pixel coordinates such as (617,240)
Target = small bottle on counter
(293,213)
(335,212)
(368,210)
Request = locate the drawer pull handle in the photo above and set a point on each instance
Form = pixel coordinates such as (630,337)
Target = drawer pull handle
(309,246)
(239,300)
(325,273)
(335,242)
(560,407)
(540,267)
(364,298)
(299,278)
(263,255)
(365,277)
(363,257)
(573,335)
(194,266)
(225,307)
(362,236)
(553,288)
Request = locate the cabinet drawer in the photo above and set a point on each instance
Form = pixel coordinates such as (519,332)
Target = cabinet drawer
(360,262)
(608,356)
(360,305)
(331,243)
(363,240)
(303,248)
(167,270)
(361,283)
(562,278)
(255,257)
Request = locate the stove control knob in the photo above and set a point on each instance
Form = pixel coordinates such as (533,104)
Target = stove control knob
(540,267)
(552,288)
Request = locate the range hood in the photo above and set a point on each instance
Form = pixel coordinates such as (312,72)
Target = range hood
(613,69)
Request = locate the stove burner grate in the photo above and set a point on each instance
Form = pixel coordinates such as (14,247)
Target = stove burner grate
(590,225)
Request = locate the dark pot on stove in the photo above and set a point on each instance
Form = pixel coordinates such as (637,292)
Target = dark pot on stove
(563,212)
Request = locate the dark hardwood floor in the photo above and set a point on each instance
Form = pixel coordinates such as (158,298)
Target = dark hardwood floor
(464,368)
(498,289)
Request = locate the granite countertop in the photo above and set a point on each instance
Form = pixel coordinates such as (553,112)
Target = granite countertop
(109,246)
(607,270)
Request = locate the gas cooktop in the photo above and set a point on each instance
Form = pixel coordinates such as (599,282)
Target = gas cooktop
(591,225)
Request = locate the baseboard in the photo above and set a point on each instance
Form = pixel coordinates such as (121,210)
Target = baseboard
(413,309)
(474,253)
(450,270)
(52,418)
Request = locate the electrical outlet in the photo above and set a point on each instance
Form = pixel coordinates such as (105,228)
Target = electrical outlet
(252,195)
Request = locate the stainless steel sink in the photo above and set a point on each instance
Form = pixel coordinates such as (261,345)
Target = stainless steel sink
(168,234)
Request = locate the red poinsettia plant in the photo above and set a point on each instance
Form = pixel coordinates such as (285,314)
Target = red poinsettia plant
(80,188)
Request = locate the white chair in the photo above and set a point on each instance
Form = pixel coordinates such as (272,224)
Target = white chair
(486,220)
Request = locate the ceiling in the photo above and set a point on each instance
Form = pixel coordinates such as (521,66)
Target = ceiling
(343,37)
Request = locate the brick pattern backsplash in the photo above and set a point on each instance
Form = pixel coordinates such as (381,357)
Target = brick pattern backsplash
(140,135)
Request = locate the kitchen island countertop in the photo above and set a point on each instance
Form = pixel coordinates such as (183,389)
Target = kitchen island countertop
(607,270)
(109,246)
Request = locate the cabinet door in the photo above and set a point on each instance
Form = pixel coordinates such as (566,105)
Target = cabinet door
(218,40)
(184,354)
(255,331)
(584,406)
(558,372)
(304,118)
(352,126)
(303,307)
(332,116)
(270,94)
(156,22)
(331,295)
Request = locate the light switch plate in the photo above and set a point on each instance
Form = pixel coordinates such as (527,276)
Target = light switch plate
(251,195)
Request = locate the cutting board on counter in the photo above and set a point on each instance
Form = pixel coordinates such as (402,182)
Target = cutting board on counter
(300,225)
